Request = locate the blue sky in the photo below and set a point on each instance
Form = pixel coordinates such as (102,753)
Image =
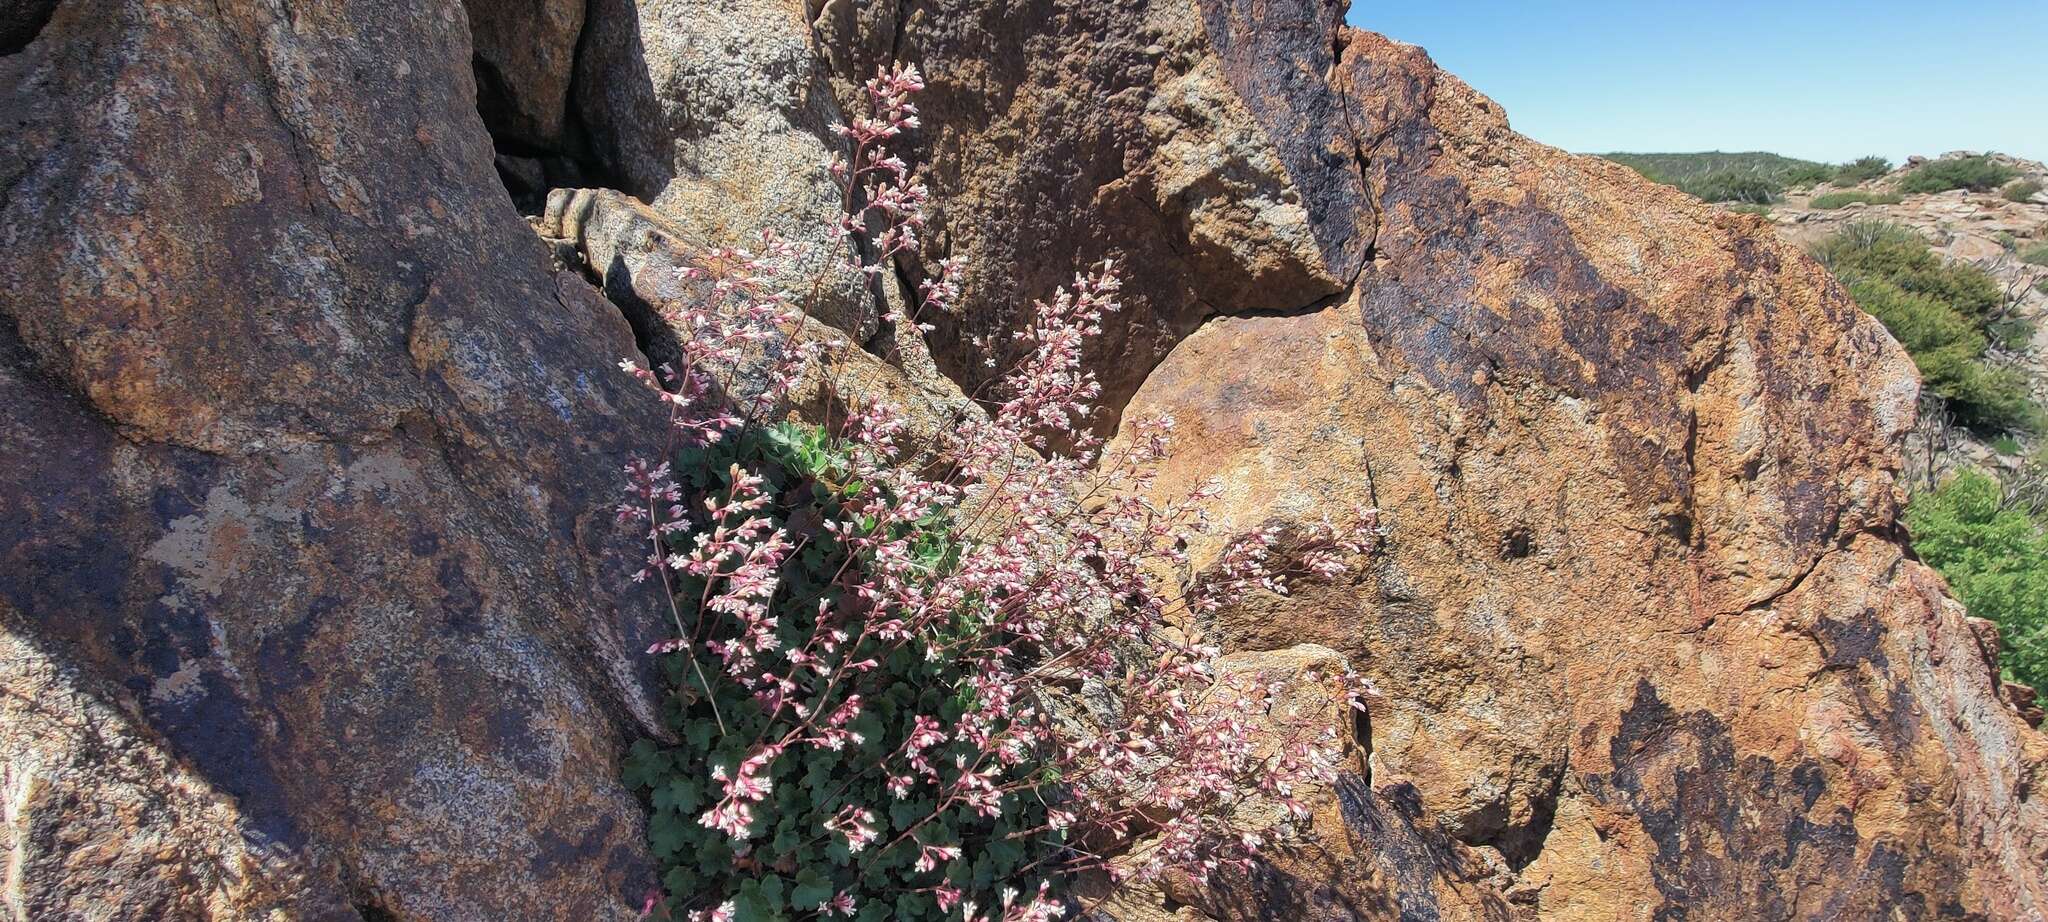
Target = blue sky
(1822,80)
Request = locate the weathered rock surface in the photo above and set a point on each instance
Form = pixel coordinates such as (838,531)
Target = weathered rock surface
(525,56)
(1642,620)
(718,115)
(309,605)
(310,595)
(1650,644)
(1065,133)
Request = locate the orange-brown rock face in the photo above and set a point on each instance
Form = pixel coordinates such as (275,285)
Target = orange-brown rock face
(1642,620)
(1650,644)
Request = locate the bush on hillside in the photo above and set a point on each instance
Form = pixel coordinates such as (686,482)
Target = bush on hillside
(1996,559)
(2022,190)
(1833,200)
(1731,186)
(1861,169)
(1946,315)
(1948,348)
(1806,175)
(1977,174)
(1900,254)
(2035,255)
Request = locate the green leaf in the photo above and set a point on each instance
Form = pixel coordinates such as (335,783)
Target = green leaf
(665,834)
(812,888)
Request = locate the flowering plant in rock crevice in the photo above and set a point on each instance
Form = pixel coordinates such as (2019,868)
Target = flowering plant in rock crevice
(938,677)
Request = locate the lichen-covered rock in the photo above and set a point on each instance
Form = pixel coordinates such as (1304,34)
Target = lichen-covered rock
(1361,852)
(305,459)
(1649,642)
(1642,619)
(1061,134)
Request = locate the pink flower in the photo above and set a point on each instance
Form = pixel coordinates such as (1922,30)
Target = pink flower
(857,825)
(929,856)
(724,913)
(729,817)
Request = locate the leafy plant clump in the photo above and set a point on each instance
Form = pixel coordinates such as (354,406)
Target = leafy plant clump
(2022,190)
(1995,556)
(785,810)
(1806,175)
(1861,169)
(1977,174)
(940,673)
(2036,255)
(1833,200)
(1946,315)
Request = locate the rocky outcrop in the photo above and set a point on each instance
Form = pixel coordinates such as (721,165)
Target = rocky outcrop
(1649,640)
(310,606)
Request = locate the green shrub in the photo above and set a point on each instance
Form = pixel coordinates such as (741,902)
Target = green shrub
(1806,174)
(1996,559)
(1834,200)
(1861,169)
(2006,445)
(1946,315)
(1901,255)
(1732,186)
(2022,190)
(2036,254)
(1977,174)
(1672,169)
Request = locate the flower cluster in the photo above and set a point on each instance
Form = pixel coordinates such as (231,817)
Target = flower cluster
(965,672)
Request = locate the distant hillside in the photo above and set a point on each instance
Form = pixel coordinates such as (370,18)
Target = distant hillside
(1678,168)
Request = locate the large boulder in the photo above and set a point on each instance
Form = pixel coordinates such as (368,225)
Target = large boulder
(1063,133)
(303,557)
(1650,640)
